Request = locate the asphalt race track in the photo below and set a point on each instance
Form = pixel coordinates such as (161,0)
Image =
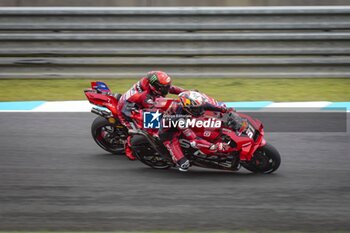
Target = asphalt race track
(54,177)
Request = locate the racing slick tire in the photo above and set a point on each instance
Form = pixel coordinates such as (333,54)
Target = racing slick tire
(104,135)
(146,154)
(265,160)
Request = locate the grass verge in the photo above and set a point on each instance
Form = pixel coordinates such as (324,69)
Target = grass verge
(221,89)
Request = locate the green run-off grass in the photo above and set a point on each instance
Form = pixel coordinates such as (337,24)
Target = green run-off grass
(221,89)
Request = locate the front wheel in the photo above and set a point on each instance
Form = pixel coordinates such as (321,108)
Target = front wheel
(106,136)
(265,160)
(146,154)
(155,162)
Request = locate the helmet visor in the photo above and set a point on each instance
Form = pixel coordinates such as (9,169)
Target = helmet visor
(196,110)
(162,89)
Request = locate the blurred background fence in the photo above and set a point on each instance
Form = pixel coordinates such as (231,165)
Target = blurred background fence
(147,3)
(293,42)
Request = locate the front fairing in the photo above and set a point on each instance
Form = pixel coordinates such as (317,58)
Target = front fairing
(250,139)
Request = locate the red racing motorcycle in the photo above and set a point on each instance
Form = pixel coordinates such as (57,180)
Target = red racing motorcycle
(247,148)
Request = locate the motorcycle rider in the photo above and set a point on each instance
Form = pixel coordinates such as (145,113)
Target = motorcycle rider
(194,104)
(142,95)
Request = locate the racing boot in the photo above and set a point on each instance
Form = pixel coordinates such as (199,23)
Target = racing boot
(177,155)
(184,164)
(128,150)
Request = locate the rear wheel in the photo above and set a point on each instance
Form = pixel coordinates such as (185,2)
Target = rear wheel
(265,160)
(105,135)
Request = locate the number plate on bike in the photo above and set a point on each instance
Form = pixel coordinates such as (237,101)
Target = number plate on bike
(250,131)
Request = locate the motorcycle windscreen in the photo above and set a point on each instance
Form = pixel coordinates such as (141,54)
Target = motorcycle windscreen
(100,86)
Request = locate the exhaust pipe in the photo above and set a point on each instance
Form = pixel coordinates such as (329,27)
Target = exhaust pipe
(102,113)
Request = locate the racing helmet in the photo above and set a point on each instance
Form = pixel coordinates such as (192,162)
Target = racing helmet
(192,102)
(159,82)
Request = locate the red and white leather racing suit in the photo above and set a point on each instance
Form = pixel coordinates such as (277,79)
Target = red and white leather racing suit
(170,136)
(140,96)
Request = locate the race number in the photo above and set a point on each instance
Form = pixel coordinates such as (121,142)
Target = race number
(250,131)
